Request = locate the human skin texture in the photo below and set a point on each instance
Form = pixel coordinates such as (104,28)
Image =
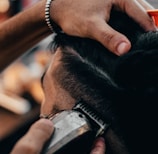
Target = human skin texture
(79,18)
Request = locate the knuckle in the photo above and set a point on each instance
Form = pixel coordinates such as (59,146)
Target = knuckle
(110,40)
(107,37)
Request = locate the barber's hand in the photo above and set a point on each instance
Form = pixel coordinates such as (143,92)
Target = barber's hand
(33,141)
(99,146)
(39,133)
(88,18)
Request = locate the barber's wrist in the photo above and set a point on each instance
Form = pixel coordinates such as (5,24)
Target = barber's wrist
(48,18)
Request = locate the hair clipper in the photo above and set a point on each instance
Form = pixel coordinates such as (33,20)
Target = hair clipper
(75,130)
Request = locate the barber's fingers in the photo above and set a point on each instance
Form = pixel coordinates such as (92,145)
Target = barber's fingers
(145,4)
(136,9)
(111,39)
(99,146)
(34,140)
(117,43)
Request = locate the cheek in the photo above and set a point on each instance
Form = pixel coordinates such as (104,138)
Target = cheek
(47,105)
(57,101)
(56,98)
(48,102)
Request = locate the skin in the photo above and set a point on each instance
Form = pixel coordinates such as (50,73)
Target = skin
(42,129)
(92,22)
(99,146)
(75,19)
(16,37)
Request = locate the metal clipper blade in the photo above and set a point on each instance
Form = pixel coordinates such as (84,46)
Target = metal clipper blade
(98,123)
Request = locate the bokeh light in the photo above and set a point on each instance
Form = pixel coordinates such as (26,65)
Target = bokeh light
(4,6)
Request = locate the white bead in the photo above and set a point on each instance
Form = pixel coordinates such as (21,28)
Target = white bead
(47,14)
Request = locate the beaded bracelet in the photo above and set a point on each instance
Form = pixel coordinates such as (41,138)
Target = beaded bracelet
(52,26)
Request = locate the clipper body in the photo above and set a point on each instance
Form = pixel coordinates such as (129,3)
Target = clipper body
(75,130)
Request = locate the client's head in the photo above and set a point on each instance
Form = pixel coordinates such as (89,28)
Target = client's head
(123,89)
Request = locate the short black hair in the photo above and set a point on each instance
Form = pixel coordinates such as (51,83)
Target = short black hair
(124,89)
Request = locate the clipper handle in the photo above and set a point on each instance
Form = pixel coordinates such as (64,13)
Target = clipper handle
(73,134)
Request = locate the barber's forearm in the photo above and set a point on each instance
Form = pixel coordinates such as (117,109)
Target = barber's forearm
(21,32)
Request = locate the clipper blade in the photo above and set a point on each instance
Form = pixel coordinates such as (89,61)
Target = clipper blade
(94,117)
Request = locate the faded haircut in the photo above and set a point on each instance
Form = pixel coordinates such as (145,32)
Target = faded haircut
(123,89)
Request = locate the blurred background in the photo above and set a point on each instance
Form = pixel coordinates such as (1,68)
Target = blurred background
(20,89)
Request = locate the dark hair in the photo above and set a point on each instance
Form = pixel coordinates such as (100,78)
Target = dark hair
(123,89)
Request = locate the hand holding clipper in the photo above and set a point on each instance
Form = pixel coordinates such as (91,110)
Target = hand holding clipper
(75,130)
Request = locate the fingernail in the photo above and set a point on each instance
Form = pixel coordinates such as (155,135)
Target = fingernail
(123,47)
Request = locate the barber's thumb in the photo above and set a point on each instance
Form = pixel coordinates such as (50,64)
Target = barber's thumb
(116,43)
(35,138)
(111,39)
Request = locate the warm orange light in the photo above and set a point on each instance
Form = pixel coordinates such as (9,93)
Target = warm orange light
(4,6)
